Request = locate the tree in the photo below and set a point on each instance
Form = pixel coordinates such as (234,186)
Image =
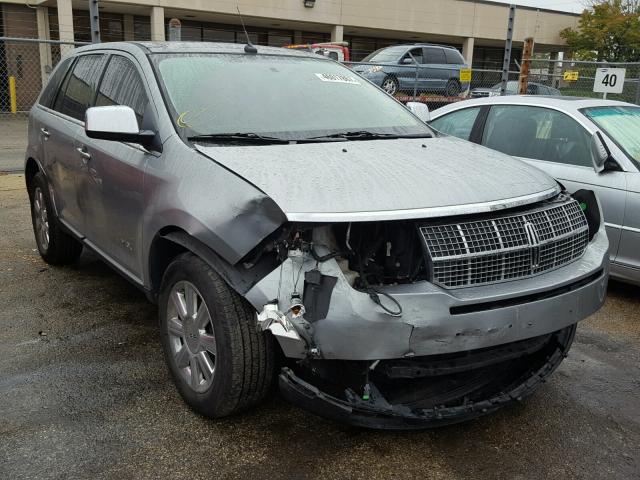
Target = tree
(607,31)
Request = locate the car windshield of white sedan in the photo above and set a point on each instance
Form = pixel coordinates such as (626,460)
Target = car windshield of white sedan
(621,124)
(286,97)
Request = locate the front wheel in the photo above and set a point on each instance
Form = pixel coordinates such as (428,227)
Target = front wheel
(220,361)
(390,85)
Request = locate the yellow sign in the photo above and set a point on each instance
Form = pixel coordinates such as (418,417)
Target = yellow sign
(571,75)
(465,74)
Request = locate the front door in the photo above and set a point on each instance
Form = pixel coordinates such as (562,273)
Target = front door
(115,172)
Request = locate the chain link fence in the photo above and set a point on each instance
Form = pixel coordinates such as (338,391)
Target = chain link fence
(25,65)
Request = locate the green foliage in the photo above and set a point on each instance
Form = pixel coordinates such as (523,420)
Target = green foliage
(609,31)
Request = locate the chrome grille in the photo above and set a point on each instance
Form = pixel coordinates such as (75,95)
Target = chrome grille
(506,248)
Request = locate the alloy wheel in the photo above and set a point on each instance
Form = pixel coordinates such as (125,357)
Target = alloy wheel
(389,86)
(191,336)
(41,218)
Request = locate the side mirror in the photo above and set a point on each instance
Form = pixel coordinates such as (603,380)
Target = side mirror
(407,61)
(117,123)
(599,152)
(420,110)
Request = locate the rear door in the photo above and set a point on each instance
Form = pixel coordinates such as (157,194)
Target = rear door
(41,115)
(64,123)
(113,180)
(556,143)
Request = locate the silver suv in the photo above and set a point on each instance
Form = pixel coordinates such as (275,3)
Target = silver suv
(387,276)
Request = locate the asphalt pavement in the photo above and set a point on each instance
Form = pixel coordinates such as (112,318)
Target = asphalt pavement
(84,393)
(13,141)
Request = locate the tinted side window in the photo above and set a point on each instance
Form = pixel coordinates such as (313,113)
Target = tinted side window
(80,86)
(458,123)
(49,92)
(536,132)
(122,85)
(453,57)
(434,55)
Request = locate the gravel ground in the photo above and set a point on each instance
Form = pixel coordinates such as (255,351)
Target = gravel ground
(84,393)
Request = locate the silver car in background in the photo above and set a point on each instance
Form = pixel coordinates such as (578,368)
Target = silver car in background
(533,88)
(296,224)
(554,134)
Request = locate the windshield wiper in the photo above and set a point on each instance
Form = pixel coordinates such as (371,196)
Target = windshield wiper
(243,137)
(366,135)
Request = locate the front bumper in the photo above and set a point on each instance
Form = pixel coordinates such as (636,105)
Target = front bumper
(439,321)
(378,413)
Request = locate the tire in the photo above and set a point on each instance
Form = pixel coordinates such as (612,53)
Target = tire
(453,88)
(56,246)
(221,364)
(390,85)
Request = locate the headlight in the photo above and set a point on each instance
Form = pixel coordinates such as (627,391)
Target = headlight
(374,69)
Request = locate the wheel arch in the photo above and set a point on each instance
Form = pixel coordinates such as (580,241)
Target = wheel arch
(172,241)
(31,169)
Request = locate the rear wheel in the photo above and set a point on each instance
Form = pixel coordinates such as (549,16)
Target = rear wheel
(220,361)
(453,88)
(390,85)
(55,245)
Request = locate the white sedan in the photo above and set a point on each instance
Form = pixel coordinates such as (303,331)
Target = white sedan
(556,135)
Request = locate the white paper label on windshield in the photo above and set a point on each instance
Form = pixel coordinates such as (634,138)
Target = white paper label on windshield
(335,78)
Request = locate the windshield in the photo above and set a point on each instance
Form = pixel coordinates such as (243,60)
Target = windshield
(385,55)
(621,124)
(276,96)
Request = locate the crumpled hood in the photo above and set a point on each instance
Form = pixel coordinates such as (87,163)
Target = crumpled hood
(385,179)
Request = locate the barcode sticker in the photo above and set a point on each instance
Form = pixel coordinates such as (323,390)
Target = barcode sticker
(335,78)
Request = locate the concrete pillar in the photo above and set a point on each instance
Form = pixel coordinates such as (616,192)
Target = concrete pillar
(337,33)
(555,67)
(65,25)
(157,24)
(128,27)
(467,49)
(44,33)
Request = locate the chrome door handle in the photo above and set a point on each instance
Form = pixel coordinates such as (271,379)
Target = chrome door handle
(45,132)
(86,156)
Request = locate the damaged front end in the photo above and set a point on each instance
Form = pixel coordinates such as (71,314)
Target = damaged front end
(426,391)
(417,323)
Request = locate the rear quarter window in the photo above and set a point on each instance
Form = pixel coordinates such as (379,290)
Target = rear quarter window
(53,85)
(453,57)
